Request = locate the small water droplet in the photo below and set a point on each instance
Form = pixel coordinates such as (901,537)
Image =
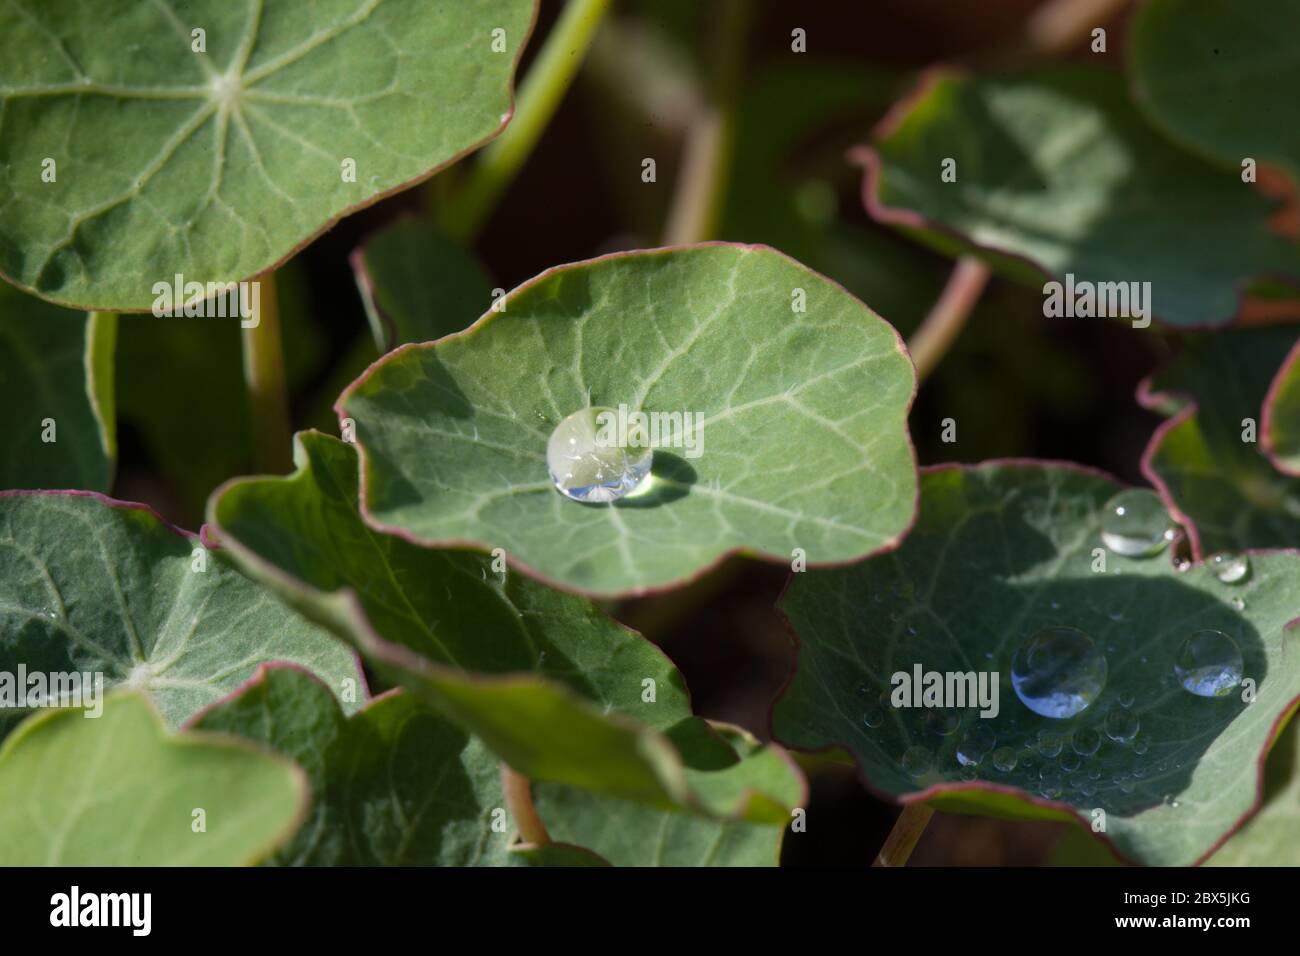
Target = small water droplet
(1140,746)
(1049,743)
(873,718)
(1238,604)
(942,722)
(1058,672)
(587,463)
(1004,758)
(1126,786)
(1126,696)
(1069,761)
(1094,774)
(1049,782)
(969,772)
(917,761)
(1087,788)
(911,630)
(1117,617)
(975,743)
(864,690)
(1135,524)
(1085,741)
(1209,664)
(1121,725)
(1228,567)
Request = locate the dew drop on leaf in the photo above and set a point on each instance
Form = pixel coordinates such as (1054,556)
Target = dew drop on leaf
(1004,758)
(1049,743)
(917,761)
(1058,672)
(1209,664)
(1135,524)
(1122,725)
(1229,568)
(587,462)
(1085,741)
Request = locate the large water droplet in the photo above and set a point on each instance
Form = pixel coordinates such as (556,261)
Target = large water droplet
(1229,568)
(586,461)
(1135,524)
(917,761)
(1004,758)
(1122,725)
(1058,672)
(1209,664)
(1085,741)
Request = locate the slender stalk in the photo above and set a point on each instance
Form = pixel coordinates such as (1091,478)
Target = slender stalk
(519,801)
(903,838)
(268,395)
(702,182)
(940,328)
(1059,26)
(547,82)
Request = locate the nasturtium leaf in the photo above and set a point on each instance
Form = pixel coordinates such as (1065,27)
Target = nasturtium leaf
(798,392)
(627,834)
(1057,170)
(395,784)
(418,285)
(552,685)
(1222,78)
(90,586)
(56,386)
(1281,421)
(117,790)
(1000,552)
(1272,836)
(218,163)
(1207,460)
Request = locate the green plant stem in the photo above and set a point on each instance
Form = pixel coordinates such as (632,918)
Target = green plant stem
(902,839)
(936,334)
(1059,26)
(268,394)
(547,82)
(519,800)
(702,181)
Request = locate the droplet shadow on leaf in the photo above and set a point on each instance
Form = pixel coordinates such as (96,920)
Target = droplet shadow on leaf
(671,478)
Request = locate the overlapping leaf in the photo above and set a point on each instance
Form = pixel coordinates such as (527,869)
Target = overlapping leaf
(1206,461)
(1221,77)
(116,790)
(217,155)
(1058,170)
(999,552)
(551,684)
(1281,422)
(89,585)
(395,784)
(628,834)
(417,285)
(804,442)
(56,386)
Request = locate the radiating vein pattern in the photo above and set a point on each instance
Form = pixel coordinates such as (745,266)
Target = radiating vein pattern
(212,138)
(802,391)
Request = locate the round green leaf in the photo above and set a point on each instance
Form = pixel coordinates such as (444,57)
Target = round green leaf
(56,385)
(1057,171)
(1281,422)
(804,445)
(90,585)
(1001,551)
(118,791)
(552,685)
(1222,79)
(217,155)
(1206,461)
